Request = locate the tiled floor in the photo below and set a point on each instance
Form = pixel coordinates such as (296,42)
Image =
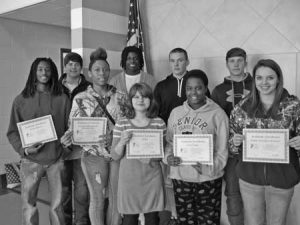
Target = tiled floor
(10,207)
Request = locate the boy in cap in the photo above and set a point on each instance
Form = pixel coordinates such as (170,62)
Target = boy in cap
(227,94)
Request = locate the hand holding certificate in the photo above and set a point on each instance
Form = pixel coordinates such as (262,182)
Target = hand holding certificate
(266,145)
(145,143)
(88,130)
(39,130)
(193,148)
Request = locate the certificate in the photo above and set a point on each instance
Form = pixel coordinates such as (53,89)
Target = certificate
(145,143)
(266,145)
(86,130)
(38,130)
(193,148)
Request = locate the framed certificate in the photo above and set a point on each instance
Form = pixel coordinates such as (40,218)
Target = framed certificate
(39,130)
(86,130)
(266,145)
(193,148)
(145,143)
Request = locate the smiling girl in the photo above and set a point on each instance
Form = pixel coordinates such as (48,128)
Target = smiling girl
(198,187)
(266,188)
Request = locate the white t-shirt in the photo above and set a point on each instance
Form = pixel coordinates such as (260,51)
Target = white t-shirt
(130,80)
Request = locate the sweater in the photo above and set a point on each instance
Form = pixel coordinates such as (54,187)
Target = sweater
(86,105)
(140,185)
(41,104)
(119,81)
(229,93)
(208,119)
(275,174)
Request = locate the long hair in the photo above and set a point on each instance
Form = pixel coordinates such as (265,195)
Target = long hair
(53,84)
(146,91)
(254,95)
(125,53)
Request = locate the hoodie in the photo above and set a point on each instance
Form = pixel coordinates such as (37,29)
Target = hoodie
(229,93)
(41,104)
(169,93)
(208,119)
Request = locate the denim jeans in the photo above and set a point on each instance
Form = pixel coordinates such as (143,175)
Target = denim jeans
(265,204)
(96,171)
(232,192)
(113,215)
(73,173)
(31,174)
(151,218)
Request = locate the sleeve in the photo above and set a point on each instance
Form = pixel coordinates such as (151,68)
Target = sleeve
(169,138)
(234,128)
(13,133)
(116,138)
(157,97)
(67,113)
(214,96)
(75,111)
(220,147)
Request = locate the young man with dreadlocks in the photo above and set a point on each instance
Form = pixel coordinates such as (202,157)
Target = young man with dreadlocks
(41,96)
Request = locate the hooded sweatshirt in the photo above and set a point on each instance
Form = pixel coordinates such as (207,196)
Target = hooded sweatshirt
(41,104)
(169,93)
(208,119)
(229,93)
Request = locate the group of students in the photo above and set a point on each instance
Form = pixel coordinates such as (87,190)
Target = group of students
(257,193)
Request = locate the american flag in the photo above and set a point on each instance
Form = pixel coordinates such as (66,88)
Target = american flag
(135,34)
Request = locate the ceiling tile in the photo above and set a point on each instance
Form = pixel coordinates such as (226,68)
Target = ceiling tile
(203,10)
(156,12)
(179,28)
(204,45)
(285,19)
(267,39)
(263,8)
(232,23)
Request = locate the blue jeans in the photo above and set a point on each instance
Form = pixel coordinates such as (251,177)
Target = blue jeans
(95,170)
(265,204)
(113,215)
(73,173)
(232,192)
(31,174)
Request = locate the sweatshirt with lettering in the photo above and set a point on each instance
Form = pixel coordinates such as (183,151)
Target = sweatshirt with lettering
(208,119)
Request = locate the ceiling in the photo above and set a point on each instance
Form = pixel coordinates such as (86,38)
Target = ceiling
(53,12)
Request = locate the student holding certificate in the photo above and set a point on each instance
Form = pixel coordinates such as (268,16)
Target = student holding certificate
(140,186)
(266,188)
(41,97)
(98,100)
(197,187)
